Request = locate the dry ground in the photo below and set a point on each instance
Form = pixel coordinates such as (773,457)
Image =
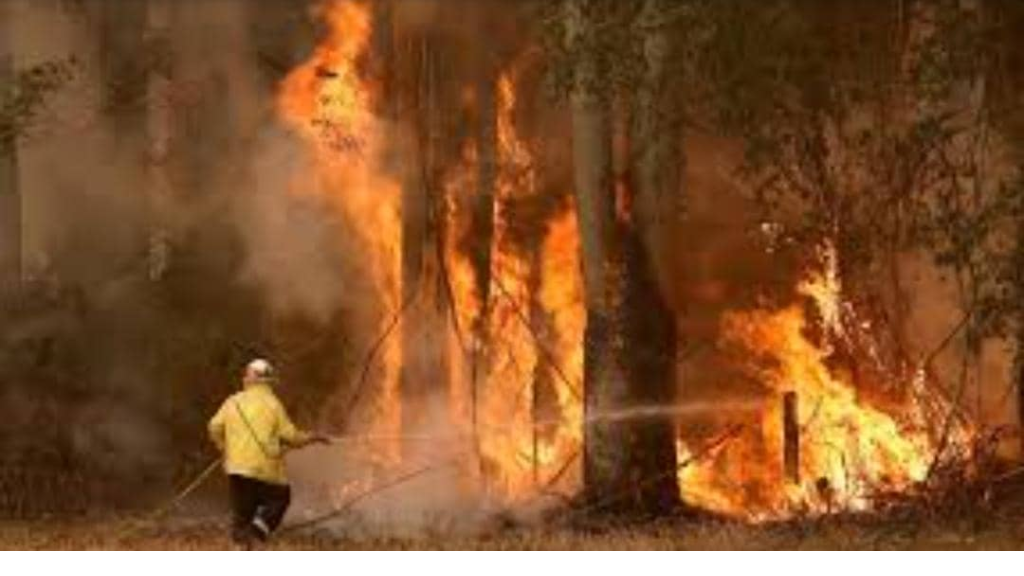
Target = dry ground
(979,533)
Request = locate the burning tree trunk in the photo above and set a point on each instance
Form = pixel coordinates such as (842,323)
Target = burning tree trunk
(606,382)
(482,231)
(630,339)
(791,438)
(423,363)
(651,348)
(10,199)
(384,47)
(414,242)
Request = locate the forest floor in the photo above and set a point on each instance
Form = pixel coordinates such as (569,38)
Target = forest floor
(981,532)
(964,519)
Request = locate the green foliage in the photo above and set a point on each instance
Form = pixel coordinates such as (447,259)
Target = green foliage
(872,124)
(862,119)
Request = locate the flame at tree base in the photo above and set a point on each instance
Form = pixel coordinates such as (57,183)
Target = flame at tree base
(849,449)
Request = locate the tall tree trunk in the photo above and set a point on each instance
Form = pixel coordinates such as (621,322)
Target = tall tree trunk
(1017,377)
(651,327)
(414,239)
(10,198)
(482,230)
(606,383)
(424,362)
(385,62)
(1006,99)
(1010,101)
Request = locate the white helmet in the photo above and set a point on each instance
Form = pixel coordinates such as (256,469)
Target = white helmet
(259,370)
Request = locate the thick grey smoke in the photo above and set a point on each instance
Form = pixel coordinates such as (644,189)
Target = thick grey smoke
(154,228)
(84,200)
(191,231)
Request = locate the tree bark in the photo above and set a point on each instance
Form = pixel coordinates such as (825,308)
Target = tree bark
(1010,98)
(1014,127)
(657,203)
(424,361)
(1018,359)
(606,384)
(480,243)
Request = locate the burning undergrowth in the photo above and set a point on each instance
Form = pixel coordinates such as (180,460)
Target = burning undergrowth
(839,426)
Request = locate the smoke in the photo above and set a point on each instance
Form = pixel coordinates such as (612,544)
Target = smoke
(417,14)
(162,235)
(723,263)
(430,492)
(75,178)
(82,206)
(160,232)
(164,238)
(291,247)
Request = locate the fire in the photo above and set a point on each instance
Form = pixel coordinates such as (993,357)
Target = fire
(525,449)
(530,289)
(518,391)
(849,449)
(533,319)
(507,390)
(462,344)
(561,296)
(331,106)
(531,323)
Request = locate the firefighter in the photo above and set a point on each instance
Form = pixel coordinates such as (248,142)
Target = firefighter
(252,430)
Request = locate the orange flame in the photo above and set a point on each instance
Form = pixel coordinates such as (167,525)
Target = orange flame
(327,102)
(520,453)
(534,320)
(849,450)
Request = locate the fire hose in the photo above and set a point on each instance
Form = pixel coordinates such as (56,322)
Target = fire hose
(163,509)
(201,478)
(397,481)
(206,472)
(369,492)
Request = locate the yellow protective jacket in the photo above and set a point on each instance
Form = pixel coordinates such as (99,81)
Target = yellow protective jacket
(252,429)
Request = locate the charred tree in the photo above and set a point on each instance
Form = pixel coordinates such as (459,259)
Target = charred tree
(424,364)
(481,240)
(791,438)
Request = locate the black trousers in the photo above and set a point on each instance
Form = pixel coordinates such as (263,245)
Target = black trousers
(256,505)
